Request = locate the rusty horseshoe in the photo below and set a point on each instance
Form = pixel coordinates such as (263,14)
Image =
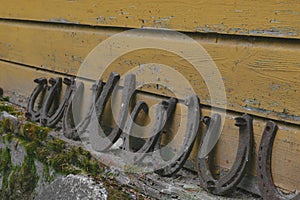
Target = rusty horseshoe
(266,184)
(32,114)
(227,182)
(51,119)
(114,135)
(177,162)
(125,137)
(68,125)
(51,101)
(99,98)
(164,112)
(170,167)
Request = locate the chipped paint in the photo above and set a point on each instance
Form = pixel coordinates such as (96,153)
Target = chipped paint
(275,86)
(274,19)
(282,116)
(101,19)
(61,20)
(252,101)
(269,68)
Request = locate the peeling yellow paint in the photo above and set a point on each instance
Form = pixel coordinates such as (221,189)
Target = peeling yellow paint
(267,18)
(264,70)
(286,171)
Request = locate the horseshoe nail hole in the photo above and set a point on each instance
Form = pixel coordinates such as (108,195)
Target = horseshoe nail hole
(259,159)
(268,128)
(261,176)
(259,167)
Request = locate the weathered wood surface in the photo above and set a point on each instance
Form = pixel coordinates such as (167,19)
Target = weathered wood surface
(17,81)
(261,76)
(266,18)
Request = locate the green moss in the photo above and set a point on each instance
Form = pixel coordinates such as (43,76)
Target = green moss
(8,107)
(52,152)
(56,145)
(6,126)
(19,182)
(33,132)
(46,174)
(31,147)
(5,160)
(4,98)
(5,169)
(24,179)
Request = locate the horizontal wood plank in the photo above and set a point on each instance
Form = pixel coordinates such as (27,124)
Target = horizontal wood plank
(264,18)
(261,77)
(17,82)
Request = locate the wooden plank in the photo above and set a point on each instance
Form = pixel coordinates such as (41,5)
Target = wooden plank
(265,18)
(261,77)
(17,81)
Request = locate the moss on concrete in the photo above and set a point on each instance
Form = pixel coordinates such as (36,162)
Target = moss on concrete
(8,107)
(23,180)
(48,177)
(5,170)
(20,182)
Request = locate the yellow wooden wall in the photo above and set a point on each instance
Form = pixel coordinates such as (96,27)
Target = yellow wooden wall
(255,45)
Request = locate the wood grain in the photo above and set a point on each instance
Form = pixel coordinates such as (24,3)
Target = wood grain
(264,18)
(261,77)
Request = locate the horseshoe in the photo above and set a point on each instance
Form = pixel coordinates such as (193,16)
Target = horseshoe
(52,119)
(266,184)
(100,95)
(32,114)
(113,136)
(173,166)
(192,102)
(227,182)
(140,106)
(51,99)
(68,125)
(164,112)
(97,88)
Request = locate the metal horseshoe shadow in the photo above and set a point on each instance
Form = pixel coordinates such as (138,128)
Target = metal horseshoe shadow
(228,181)
(50,119)
(266,184)
(170,167)
(164,112)
(32,114)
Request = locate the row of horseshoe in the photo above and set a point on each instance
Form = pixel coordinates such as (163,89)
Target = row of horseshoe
(53,110)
